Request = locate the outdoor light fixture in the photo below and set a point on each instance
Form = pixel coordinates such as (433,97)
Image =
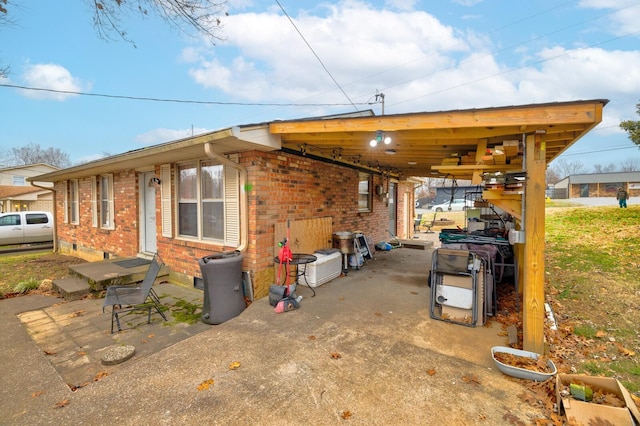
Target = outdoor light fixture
(380,137)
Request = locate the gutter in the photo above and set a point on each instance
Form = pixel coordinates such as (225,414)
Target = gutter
(244,200)
(55,219)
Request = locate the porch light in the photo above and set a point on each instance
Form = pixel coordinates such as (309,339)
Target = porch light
(380,137)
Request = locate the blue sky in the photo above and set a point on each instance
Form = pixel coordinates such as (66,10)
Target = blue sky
(422,55)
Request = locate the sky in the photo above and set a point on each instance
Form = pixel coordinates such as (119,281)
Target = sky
(290,59)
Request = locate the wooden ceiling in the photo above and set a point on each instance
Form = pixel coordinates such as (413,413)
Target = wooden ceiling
(426,139)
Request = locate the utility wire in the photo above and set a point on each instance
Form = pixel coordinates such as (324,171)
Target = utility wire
(184,101)
(317,57)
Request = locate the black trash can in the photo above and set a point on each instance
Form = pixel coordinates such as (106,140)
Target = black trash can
(223,291)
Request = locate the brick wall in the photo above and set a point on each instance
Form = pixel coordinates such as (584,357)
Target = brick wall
(280,187)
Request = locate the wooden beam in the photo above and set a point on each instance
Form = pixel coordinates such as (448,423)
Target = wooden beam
(533,271)
(541,115)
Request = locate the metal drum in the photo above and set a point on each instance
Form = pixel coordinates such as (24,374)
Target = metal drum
(344,242)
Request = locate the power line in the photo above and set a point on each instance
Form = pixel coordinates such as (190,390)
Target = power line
(184,101)
(317,57)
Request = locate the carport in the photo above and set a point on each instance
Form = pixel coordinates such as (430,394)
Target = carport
(422,143)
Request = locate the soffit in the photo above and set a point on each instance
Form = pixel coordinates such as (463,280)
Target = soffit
(428,138)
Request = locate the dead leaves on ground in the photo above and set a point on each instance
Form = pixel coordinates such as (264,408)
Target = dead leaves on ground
(62,404)
(205,385)
(346,414)
(335,355)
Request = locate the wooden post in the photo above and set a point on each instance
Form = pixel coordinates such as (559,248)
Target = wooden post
(533,271)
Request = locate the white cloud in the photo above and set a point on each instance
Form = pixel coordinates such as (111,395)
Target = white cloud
(363,49)
(416,61)
(467,2)
(157,136)
(50,76)
(624,17)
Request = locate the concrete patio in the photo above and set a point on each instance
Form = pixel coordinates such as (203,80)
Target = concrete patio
(363,350)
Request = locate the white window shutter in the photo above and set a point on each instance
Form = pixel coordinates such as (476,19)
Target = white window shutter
(94,201)
(66,201)
(165,201)
(232,207)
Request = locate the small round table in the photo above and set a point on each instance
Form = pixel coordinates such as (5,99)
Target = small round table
(298,259)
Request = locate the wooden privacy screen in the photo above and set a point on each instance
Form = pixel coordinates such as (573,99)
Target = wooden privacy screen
(306,236)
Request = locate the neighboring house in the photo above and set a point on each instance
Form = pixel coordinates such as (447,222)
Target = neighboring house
(598,184)
(17,194)
(238,188)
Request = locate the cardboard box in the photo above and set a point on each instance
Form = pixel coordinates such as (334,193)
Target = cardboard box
(587,412)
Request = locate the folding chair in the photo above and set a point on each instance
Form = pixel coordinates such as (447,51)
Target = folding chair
(126,298)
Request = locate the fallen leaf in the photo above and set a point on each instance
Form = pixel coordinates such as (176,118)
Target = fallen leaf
(431,371)
(378,314)
(36,394)
(234,365)
(312,337)
(61,404)
(472,378)
(625,351)
(346,414)
(601,333)
(335,355)
(205,385)
(414,292)
(49,353)
(151,336)
(101,375)
(76,313)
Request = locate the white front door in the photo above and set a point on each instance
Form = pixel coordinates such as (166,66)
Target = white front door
(148,230)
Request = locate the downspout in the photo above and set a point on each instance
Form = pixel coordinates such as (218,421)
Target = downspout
(55,219)
(244,201)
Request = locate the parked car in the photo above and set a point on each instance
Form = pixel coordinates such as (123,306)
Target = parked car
(25,227)
(423,203)
(458,204)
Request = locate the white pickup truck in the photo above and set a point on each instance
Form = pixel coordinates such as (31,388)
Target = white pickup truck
(25,227)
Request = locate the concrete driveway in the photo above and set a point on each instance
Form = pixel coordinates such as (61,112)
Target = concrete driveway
(364,350)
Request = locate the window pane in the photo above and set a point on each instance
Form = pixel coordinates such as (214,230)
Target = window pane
(37,218)
(104,201)
(188,219)
(212,181)
(213,220)
(188,182)
(364,198)
(73,201)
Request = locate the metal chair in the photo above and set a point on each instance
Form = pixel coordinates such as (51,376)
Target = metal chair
(126,298)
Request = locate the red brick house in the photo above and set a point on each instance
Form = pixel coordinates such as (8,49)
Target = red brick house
(234,189)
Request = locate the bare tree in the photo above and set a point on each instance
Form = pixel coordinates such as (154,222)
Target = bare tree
(202,16)
(552,176)
(630,164)
(33,154)
(599,168)
(566,168)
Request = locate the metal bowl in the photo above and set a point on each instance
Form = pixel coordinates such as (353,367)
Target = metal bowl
(522,373)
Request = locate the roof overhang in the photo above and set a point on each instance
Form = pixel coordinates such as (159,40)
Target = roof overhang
(226,141)
(421,141)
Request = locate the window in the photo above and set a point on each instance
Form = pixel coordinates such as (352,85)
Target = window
(364,192)
(37,218)
(10,220)
(19,181)
(201,201)
(72,208)
(106,202)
